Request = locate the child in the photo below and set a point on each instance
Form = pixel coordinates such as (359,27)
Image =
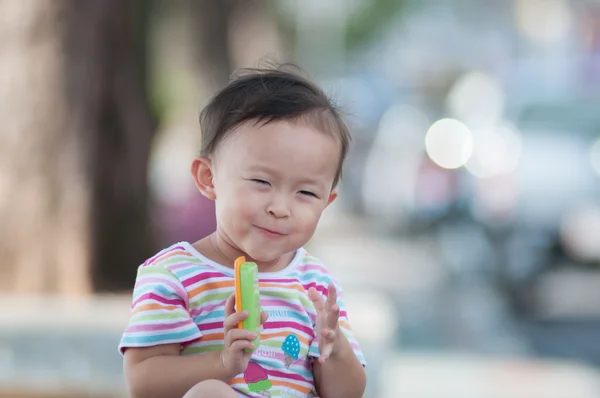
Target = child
(272,153)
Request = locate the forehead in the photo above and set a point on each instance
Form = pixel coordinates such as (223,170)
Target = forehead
(293,147)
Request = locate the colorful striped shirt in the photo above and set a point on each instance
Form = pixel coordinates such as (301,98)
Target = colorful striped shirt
(179,297)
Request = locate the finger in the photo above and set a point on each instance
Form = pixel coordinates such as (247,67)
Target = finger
(331,295)
(230,305)
(263,317)
(240,334)
(316,299)
(232,320)
(241,345)
(325,352)
(328,335)
(333,317)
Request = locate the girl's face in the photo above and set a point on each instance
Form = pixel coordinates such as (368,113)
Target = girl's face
(271,183)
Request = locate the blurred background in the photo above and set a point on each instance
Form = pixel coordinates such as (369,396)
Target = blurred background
(467,233)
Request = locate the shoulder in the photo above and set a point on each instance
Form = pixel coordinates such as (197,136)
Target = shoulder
(177,262)
(309,263)
(175,254)
(179,271)
(313,272)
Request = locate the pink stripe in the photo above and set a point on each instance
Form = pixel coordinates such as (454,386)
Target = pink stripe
(160,299)
(320,288)
(157,327)
(162,281)
(343,314)
(281,303)
(313,267)
(181,265)
(279,280)
(197,310)
(151,260)
(292,325)
(203,276)
(210,326)
(291,376)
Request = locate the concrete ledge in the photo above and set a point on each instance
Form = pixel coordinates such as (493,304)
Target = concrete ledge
(64,348)
(418,375)
(110,312)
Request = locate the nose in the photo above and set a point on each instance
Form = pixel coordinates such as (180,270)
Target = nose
(278,207)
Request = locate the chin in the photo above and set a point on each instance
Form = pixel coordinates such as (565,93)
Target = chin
(263,256)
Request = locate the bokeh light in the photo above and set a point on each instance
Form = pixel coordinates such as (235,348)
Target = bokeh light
(449,143)
(496,151)
(580,228)
(477,98)
(543,21)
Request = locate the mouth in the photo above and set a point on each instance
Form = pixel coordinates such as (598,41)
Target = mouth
(269,232)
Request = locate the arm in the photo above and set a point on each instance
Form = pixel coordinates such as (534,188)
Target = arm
(152,368)
(341,375)
(160,372)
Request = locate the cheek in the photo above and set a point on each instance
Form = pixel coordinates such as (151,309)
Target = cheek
(308,216)
(245,206)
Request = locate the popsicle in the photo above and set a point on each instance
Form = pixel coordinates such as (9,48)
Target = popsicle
(247,296)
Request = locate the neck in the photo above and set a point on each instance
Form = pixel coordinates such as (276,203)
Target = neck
(227,253)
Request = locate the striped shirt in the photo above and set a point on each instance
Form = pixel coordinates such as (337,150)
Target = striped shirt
(179,297)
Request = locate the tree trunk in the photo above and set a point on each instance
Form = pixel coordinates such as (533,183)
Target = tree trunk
(74,142)
(210,25)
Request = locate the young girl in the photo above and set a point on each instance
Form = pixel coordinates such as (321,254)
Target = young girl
(273,147)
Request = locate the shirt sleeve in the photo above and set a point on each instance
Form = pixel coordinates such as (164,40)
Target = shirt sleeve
(344,324)
(159,311)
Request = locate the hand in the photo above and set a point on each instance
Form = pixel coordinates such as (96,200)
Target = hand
(328,314)
(234,356)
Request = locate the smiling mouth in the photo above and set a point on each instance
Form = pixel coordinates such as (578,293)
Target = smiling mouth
(270,232)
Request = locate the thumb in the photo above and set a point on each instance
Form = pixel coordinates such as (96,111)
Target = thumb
(263,317)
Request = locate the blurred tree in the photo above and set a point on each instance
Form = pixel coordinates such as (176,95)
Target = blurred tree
(210,25)
(214,46)
(74,145)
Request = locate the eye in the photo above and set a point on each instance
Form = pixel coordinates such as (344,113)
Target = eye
(308,193)
(259,181)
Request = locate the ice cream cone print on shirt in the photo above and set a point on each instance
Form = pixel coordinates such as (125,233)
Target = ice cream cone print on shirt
(257,379)
(291,349)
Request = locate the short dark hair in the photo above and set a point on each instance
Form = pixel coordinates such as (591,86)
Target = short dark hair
(280,93)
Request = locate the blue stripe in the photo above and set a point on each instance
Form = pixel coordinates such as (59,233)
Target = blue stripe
(314,276)
(182,272)
(160,338)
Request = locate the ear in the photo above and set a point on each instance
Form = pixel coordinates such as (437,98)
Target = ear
(202,174)
(332,196)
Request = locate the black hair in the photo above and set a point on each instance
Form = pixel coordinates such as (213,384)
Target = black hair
(267,95)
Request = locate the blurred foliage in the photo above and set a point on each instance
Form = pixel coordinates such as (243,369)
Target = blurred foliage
(366,25)
(362,27)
